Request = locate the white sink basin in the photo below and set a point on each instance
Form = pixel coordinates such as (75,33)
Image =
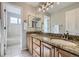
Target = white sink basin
(63,43)
(46,38)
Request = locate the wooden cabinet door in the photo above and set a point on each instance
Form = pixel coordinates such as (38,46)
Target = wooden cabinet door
(47,50)
(29,43)
(27,38)
(35,54)
(65,54)
(36,47)
(56,52)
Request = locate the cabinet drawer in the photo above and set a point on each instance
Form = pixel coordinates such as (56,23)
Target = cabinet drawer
(47,45)
(35,54)
(36,48)
(36,41)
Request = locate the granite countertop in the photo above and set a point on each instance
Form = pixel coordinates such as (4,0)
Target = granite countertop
(72,47)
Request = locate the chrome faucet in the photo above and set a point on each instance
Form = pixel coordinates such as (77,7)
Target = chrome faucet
(66,35)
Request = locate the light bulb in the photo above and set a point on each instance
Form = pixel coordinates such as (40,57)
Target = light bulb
(47,8)
(48,3)
(39,9)
(43,7)
(51,6)
(43,10)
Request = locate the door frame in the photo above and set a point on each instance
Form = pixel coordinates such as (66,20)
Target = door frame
(15,6)
(3,28)
(4,24)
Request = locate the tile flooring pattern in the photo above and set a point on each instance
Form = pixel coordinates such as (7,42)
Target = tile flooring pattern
(14,51)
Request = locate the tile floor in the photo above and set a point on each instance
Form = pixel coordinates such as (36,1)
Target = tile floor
(13,48)
(14,51)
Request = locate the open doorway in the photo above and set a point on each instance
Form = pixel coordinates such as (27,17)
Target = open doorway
(14,30)
(13,39)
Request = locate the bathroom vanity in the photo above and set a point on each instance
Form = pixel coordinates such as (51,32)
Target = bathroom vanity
(41,45)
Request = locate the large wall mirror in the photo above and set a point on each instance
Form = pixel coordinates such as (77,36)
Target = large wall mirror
(34,23)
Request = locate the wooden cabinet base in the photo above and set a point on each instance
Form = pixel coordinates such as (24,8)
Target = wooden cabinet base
(40,48)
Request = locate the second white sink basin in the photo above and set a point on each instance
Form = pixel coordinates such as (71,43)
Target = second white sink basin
(63,43)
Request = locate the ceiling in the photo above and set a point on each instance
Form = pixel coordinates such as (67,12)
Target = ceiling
(34,4)
(56,7)
(60,6)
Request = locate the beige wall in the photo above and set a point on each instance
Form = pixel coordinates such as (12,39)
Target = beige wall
(26,9)
(56,18)
(29,10)
(59,17)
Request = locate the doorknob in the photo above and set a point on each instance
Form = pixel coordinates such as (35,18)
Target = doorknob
(5,28)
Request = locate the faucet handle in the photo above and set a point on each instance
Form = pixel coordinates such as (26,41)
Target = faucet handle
(63,36)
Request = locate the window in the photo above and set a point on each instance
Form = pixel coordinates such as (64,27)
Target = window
(14,20)
(19,21)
